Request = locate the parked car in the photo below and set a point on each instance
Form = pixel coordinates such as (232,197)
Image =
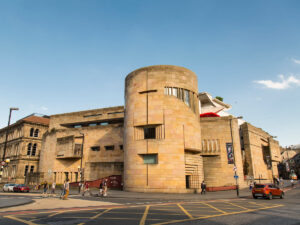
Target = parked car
(21,188)
(8,187)
(267,191)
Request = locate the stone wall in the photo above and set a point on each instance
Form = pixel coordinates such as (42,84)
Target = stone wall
(217,171)
(149,103)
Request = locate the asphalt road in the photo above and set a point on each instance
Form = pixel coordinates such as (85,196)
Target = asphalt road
(215,212)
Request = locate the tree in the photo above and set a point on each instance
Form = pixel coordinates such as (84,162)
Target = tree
(219,98)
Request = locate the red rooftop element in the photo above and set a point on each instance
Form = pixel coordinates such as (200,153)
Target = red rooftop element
(37,119)
(209,114)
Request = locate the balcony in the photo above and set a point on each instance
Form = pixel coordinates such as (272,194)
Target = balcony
(66,148)
(211,147)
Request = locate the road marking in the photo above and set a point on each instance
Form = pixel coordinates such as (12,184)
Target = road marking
(96,216)
(143,220)
(217,215)
(186,212)
(237,205)
(213,207)
(20,220)
(56,213)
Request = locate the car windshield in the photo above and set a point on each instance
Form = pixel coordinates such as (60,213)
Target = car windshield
(259,186)
(11,185)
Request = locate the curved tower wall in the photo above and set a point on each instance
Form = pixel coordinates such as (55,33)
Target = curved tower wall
(162,102)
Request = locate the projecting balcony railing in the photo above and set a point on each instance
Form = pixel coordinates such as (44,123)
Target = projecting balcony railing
(74,153)
(210,147)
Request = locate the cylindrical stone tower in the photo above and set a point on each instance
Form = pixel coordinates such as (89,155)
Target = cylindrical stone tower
(162,139)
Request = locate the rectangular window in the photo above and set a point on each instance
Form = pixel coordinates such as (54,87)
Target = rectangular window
(150,158)
(92,124)
(175,92)
(149,133)
(121,147)
(26,170)
(104,123)
(186,97)
(95,148)
(169,91)
(166,91)
(31,169)
(109,147)
(77,126)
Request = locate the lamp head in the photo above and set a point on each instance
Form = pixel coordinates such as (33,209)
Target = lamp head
(14,108)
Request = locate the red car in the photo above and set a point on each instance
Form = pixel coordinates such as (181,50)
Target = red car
(21,188)
(266,191)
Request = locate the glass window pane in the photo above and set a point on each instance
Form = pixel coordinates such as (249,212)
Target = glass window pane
(175,92)
(186,97)
(150,159)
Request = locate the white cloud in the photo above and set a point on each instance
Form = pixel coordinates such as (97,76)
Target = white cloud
(44,108)
(297,61)
(284,83)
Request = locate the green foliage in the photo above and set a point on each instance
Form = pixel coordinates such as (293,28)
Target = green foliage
(219,98)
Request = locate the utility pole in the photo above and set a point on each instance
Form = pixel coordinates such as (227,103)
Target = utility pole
(81,156)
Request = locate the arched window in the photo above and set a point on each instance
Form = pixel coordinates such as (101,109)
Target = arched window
(36,133)
(29,148)
(33,150)
(31,132)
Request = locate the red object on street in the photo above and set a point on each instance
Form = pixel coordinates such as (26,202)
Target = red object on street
(113,181)
(209,114)
(267,191)
(21,188)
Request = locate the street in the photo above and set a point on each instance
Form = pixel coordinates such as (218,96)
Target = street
(212,212)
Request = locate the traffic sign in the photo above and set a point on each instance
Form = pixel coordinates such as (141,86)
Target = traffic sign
(3,163)
(236,176)
(234,168)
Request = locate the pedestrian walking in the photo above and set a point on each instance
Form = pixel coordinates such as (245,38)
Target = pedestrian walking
(86,189)
(53,186)
(292,183)
(67,189)
(105,188)
(45,190)
(203,187)
(251,185)
(63,191)
(101,189)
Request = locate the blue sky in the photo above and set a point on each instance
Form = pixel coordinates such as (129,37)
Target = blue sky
(61,56)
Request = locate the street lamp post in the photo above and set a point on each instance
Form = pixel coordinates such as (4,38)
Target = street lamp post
(234,163)
(80,168)
(6,139)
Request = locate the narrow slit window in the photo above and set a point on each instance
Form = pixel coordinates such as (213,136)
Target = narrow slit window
(29,148)
(109,147)
(31,132)
(36,133)
(33,149)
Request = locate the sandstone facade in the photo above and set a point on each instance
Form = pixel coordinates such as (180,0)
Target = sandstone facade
(23,148)
(162,100)
(99,132)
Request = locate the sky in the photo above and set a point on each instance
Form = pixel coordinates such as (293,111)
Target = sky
(60,56)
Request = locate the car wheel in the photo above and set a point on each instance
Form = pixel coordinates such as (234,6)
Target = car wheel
(282,195)
(27,191)
(254,196)
(270,196)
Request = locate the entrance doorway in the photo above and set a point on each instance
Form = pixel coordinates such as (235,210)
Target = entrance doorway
(187,181)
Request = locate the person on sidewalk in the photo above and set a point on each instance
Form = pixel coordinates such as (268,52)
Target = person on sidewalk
(45,186)
(63,191)
(292,183)
(104,187)
(101,189)
(86,189)
(67,189)
(53,186)
(203,187)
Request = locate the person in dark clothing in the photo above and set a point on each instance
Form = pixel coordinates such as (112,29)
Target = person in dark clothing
(203,188)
